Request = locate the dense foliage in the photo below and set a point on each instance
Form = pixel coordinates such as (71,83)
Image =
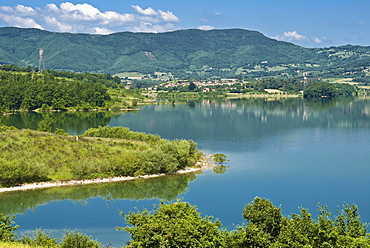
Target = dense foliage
(120,133)
(31,156)
(180,225)
(39,238)
(322,89)
(7,228)
(29,91)
(184,53)
(105,79)
(284,84)
(172,225)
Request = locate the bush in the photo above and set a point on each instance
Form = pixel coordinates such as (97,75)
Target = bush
(120,133)
(75,239)
(39,238)
(17,172)
(173,225)
(7,229)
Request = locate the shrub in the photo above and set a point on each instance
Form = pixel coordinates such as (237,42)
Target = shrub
(39,238)
(7,229)
(75,239)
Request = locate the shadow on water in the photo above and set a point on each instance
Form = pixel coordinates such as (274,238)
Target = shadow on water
(166,188)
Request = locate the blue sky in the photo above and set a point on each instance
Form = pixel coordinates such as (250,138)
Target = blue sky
(315,23)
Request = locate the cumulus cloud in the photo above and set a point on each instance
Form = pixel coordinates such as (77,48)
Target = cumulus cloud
(148,11)
(206,27)
(290,36)
(293,36)
(168,16)
(85,18)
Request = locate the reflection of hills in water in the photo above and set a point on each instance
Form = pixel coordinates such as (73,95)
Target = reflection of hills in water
(345,112)
(251,116)
(165,188)
(71,122)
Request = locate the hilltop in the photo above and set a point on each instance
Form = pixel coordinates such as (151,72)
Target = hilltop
(183,53)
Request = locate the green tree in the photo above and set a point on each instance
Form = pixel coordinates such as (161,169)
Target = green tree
(192,86)
(7,228)
(173,225)
(45,124)
(75,239)
(265,216)
(320,89)
(39,238)
(219,158)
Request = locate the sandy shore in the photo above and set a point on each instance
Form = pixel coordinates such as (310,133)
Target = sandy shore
(42,185)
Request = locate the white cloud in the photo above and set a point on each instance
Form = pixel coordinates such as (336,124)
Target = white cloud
(317,40)
(293,36)
(52,7)
(148,11)
(206,27)
(53,22)
(151,28)
(85,18)
(20,22)
(23,9)
(99,30)
(168,16)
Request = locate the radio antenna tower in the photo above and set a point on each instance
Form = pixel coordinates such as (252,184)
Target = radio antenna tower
(41,60)
(305,80)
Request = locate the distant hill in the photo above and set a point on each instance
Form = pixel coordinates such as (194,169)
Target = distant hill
(184,53)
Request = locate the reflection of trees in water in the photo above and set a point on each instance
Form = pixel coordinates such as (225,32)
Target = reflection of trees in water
(71,122)
(165,188)
(282,113)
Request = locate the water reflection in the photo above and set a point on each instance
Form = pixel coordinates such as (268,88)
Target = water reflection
(72,122)
(294,152)
(166,188)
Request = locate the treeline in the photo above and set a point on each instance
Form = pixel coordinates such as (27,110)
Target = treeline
(13,67)
(283,84)
(30,90)
(179,224)
(105,79)
(323,89)
(32,156)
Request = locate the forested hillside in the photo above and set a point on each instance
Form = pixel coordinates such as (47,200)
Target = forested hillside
(184,53)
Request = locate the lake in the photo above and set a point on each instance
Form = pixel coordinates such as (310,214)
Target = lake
(293,152)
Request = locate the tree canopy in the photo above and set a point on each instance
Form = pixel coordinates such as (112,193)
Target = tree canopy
(179,224)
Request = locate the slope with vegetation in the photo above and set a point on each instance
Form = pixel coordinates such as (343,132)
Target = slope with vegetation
(22,89)
(183,53)
(32,156)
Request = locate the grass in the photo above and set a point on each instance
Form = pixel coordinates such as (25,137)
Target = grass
(31,156)
(16,245)
(130,74)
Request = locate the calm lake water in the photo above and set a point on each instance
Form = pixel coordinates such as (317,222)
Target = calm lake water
(293,152)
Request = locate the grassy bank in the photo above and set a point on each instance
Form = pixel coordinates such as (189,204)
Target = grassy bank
(16,245)
(30,156)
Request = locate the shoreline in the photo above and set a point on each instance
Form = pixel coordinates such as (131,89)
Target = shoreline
(42,185)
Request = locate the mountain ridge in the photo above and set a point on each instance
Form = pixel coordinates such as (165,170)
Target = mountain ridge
(184,53)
